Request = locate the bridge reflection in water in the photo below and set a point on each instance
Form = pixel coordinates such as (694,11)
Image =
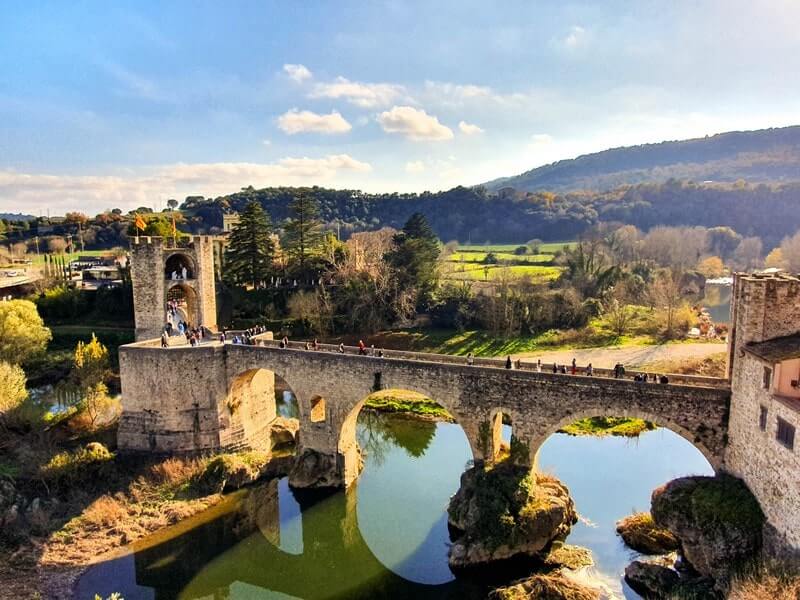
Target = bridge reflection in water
(252,550)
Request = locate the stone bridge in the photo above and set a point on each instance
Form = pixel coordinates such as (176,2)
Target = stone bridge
(219,397)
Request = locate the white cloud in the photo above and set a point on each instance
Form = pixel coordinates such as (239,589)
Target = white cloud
(576,37)
(266,142)
(469,128)
(38,192)
(541,139)
(297,73)
(414,124)
(305,121)
(415,166)
(365,95)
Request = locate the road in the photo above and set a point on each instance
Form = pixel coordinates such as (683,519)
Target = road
(630,356)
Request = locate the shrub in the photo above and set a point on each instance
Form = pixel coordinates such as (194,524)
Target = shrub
(106,511)
(12,390)
(78,467)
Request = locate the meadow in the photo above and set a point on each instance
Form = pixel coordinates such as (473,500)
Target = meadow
(469,263)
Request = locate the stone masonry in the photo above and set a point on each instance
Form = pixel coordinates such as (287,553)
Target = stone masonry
(149,257)
(209,399)
(763,308)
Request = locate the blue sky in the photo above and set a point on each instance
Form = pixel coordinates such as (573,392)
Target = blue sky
(127,103)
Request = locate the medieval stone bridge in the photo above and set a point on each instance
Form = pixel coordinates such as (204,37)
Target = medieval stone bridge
(221,397)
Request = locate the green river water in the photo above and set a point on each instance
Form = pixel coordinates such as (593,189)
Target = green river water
(387,536)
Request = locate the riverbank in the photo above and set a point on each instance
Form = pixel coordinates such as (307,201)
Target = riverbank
(92,504)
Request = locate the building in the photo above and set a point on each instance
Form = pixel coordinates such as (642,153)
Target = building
(764,367)
(229,221)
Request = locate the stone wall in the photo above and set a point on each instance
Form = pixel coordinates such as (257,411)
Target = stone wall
(537,403)
(149,256)
(762,308)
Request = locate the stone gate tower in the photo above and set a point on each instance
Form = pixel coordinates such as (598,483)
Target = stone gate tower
(162,270)
(764,426)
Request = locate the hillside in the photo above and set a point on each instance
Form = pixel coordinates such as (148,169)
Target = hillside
(767,155)
(768,211)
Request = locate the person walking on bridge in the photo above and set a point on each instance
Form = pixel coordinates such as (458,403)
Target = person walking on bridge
(508,362)
(574,366)
(362,347)
(589,370)
(164,342)
(341,347)
(470,359)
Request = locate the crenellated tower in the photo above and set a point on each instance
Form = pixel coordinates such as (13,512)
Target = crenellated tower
(163,271)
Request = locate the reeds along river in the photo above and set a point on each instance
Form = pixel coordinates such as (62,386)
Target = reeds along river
(387,537)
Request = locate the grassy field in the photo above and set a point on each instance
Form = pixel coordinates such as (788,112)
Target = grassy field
(467,263)
(537,273)
(479,257)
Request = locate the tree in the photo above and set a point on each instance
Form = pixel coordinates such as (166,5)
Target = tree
(57,245)
(88,374)
(747,255)
(413,257)
(12,390)
(775,259)
(790,249)
(711,267)
(76,218)
(665,295)
(619,317)
(248,258)
(723,241)
(172,203)
(303,231)
(22,331)
(19,249)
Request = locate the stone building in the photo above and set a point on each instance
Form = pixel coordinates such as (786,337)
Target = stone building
(764,367)
(162,271)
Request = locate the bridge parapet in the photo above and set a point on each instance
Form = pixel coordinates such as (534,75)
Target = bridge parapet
(498,362)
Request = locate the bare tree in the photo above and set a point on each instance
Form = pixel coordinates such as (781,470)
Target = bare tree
(790,250)
(57,245)
(748,254)
(665,296)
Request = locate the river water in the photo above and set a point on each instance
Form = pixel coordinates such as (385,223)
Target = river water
(387,537)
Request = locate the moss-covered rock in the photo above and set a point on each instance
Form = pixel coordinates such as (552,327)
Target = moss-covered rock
(716,519)
(550,586)
(505,512)
(640,533)
(232,471)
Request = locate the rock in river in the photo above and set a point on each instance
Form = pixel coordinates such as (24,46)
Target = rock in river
(504,512)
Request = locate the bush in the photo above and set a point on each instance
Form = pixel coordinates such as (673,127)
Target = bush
(83,466)
(12,390)
(231,471)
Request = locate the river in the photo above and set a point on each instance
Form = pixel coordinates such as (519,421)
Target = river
(387,537)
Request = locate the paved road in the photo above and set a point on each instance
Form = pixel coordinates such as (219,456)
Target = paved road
(630,356)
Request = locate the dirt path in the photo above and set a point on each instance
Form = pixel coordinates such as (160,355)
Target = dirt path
(630,356)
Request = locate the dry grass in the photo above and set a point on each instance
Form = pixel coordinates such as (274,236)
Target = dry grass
(710,366)
(106,511)
(174,471)
(767,582)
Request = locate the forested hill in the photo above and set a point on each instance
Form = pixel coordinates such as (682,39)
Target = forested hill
(767,155)
(770,212)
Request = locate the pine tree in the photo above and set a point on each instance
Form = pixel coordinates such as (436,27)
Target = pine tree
(303,231)
(248,258)
(414,257)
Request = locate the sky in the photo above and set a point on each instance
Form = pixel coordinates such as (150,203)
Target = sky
(126,104)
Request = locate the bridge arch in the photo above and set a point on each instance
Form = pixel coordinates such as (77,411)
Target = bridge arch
(347,446)
(659,420)
(187,309)
(251,408)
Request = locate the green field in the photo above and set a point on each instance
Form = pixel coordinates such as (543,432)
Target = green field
(479,257)
(467,263)
(38,260)
(478,272)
